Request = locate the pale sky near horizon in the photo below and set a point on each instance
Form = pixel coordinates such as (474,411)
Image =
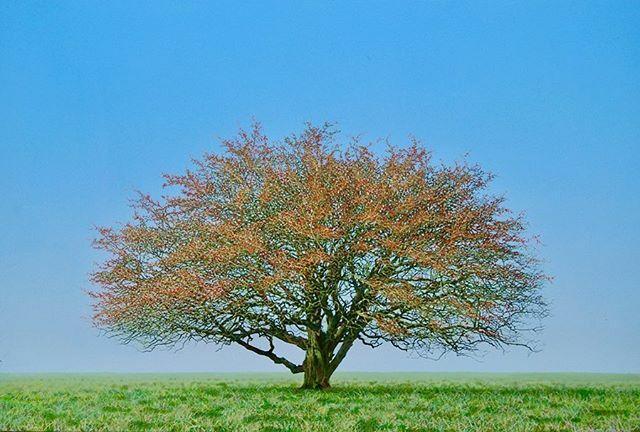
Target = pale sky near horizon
(98,99)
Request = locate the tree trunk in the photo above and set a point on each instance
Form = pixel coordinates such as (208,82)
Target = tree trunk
(316,367)
(316,371)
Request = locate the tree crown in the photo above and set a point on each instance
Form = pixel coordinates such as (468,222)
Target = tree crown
(312,244)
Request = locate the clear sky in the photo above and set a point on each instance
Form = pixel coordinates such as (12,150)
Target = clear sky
(98,99)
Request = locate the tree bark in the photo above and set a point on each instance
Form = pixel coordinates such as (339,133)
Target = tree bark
(316,371)
(316,365)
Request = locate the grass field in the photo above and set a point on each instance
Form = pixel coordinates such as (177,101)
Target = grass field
(357,402)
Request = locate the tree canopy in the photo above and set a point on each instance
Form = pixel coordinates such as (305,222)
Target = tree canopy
(319,245)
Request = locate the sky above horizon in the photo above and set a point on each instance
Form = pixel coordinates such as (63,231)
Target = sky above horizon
(98,99)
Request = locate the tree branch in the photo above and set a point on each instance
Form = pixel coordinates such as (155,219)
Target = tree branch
(294,368)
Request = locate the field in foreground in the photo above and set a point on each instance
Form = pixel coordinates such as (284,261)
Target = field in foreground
(357,402)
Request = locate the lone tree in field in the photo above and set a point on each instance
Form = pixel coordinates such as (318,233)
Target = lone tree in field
(307,243)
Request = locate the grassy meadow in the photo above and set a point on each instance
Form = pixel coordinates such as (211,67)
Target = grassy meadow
(356,402)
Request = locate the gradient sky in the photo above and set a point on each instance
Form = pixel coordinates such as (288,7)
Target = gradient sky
(98,99)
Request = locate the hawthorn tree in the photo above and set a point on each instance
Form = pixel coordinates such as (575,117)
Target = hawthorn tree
(316,245)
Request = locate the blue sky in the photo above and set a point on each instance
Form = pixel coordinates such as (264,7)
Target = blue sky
(98,99)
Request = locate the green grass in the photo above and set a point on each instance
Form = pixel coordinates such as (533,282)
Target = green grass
(357,402)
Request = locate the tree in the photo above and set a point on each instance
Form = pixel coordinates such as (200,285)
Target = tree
(307,243)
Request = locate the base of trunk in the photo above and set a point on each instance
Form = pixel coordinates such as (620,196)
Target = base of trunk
(316,377)
(321,385)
